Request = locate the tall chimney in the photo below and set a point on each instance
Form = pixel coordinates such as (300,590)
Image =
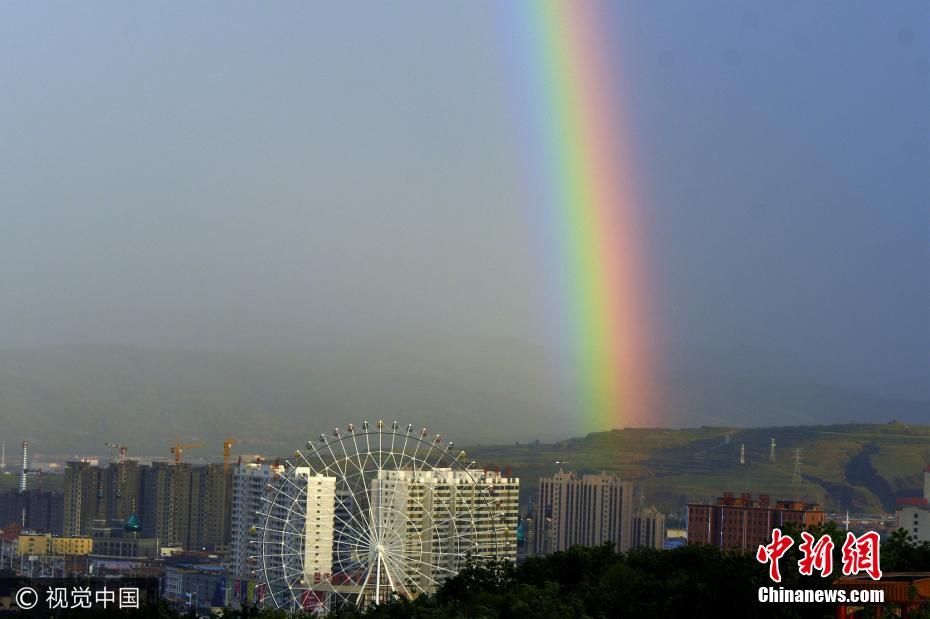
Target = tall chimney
(22,475)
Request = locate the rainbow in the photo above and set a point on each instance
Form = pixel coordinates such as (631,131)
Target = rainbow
(584,180)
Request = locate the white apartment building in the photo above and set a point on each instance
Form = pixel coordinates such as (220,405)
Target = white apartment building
(283,534)
(437,515)
(584,510)
(249,483)
(319,528)
(913,515)
(402,529)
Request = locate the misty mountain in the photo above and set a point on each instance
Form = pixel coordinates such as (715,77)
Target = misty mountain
(72,399)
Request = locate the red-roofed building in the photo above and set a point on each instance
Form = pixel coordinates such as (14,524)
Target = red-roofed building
(913,513)
(915,501)
(904,593)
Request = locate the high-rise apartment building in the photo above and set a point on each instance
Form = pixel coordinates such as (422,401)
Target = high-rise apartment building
(186,505)
(208,525)
(165,490)
(84,498)
(648,528)
(319,527)
(585,510)
(179,504)
(746,523)
(250,481)
(121,486)
(439,513)
(283,532)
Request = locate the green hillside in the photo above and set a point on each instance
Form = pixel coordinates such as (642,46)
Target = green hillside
(861,467)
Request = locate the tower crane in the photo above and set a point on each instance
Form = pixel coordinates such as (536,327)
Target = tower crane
(227,447)
(178,449)
(120,449)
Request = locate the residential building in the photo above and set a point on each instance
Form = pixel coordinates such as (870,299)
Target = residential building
(250,481)
(528,546)
(648,528)
(208,525)
(163,512)
(249,488)
(585,510)
(746,523)
(913,514)
(501,514)
(84,498)
(291,485)
(319,527)
(121,486)
(36,510)
(426,520)
(180,504)
(167,503)
(426,508)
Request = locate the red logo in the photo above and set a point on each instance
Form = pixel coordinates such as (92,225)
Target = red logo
(817,556)
(860,554)
(773,552)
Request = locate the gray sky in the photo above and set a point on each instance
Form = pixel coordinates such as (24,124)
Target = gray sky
(265,175)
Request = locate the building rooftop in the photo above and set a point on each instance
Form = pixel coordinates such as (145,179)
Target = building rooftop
(762,502)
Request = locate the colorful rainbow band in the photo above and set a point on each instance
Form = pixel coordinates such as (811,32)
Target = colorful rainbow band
(584,161)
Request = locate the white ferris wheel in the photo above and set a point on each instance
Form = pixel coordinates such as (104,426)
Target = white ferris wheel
(368,513)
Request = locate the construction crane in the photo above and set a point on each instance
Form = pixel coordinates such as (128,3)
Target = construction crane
(121,450)
(178,449)
(227,447)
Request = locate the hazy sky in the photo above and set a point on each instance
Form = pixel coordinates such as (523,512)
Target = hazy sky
(263,174)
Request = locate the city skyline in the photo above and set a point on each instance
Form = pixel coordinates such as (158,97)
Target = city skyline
(498,308)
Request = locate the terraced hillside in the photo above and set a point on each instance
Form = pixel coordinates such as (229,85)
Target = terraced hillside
(862,467)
